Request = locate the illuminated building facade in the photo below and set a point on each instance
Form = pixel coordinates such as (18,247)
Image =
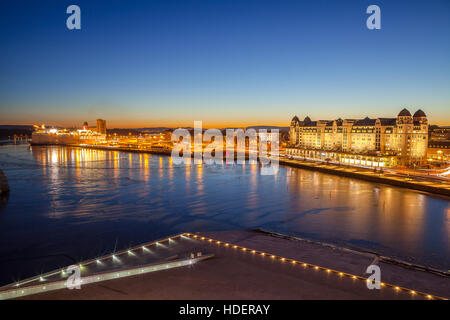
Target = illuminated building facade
(439,152)
(440,134)
(369,142)
(101,126)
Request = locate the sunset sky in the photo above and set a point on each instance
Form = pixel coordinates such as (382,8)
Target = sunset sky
(226,62)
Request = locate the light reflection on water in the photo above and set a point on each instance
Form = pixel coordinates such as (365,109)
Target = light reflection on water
(84,202)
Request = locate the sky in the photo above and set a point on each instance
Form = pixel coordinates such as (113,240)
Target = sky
(225,62)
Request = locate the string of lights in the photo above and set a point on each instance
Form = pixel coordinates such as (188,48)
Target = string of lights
(6,292)
(19,289)
(312,266)
(114,256)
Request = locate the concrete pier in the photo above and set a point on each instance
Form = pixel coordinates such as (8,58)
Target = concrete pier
(4,186)
(243,264)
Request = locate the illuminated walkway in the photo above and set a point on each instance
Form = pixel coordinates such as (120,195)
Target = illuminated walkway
(251,265)
(168,253)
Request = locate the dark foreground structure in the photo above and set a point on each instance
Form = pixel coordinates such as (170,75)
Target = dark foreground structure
(4,186)
(236,265)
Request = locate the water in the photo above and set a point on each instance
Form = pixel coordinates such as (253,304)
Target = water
(69,204)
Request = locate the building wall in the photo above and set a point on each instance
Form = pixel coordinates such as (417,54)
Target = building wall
(373,161)
(439,152)
(101,126)
(440,134)
(405,136)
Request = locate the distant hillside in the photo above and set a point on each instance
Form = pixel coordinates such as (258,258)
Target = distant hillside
(8,131)
(153,129)
(162,129)
(13,127)
(269,128)
(135,131)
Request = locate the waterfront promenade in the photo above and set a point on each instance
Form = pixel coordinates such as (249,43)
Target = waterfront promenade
(258,265)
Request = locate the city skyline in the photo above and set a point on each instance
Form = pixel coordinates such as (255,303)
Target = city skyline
(198,151)
(228,64)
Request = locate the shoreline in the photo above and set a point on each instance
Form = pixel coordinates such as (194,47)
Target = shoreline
(357,173)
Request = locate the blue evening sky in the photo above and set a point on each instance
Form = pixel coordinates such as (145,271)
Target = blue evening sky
(226,62)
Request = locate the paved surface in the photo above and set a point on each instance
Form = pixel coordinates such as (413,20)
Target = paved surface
(237,274)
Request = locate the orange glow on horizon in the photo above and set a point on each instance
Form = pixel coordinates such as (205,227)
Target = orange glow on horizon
(208,122)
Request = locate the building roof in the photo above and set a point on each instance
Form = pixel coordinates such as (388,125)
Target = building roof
(404,113)
(388,121)
(419,113)
(366,122)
